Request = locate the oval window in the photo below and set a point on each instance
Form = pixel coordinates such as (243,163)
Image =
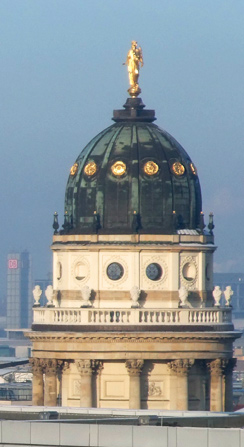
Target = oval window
(189,271)
(81,271)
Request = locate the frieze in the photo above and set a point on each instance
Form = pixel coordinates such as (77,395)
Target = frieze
(130,339)
(154,389)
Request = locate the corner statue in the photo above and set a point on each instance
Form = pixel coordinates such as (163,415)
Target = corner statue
(133,61)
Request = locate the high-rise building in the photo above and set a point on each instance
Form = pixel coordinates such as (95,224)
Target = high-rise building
(19,290)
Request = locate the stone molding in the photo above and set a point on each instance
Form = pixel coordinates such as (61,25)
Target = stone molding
(134,367)
(121,338)
(181,366)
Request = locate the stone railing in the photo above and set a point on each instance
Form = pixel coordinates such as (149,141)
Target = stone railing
(82,316)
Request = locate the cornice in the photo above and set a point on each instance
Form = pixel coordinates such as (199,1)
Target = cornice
(130,338)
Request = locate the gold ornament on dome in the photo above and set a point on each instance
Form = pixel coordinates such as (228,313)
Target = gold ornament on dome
(74,169)
(193,168)
(134,61)
(90,168)
(150,168)
(178,168)
(118,168)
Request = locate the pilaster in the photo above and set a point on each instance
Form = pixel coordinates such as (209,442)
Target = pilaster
(50,368)
(85,369)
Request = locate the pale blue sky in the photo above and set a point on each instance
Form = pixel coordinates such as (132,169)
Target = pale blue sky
(61,76)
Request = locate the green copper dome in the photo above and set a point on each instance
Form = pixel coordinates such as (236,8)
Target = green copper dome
(132,177)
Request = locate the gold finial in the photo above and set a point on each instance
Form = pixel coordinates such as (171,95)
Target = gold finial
(134,61)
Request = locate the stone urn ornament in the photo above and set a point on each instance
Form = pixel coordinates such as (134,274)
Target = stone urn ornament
(135,295)
(49,296)
(217,293)
(228,294)
(86,295)
(183,295)
(37,292)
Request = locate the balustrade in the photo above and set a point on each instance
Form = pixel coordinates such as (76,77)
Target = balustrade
(83,316)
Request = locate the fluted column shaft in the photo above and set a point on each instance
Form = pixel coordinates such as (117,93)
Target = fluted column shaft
(37,382)
(134,368)
(181,367)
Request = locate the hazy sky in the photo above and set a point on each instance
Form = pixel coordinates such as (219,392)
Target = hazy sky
(61,76)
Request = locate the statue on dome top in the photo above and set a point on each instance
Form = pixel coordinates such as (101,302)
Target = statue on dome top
(134,61)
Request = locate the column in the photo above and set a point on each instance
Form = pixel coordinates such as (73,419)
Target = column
(50,392)
(216,385)
(37,382)
(134,368)
(97,367)
(228,380)
(181,367)
(62,366)
(85,369)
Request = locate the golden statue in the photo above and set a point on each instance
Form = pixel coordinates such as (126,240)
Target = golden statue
(134,61)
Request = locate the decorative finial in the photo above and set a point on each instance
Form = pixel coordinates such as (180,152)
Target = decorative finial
(211,223)
(134,61)
(55,222)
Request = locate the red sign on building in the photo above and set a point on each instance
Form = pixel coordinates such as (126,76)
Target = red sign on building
(12,263)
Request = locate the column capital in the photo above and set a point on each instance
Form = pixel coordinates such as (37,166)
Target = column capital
(181,366)
(50,366)
(134,367)
(36,365)
(229,365)
(84,367)
(217,366)
(97,366)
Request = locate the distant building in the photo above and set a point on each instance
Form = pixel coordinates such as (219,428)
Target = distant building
(236,281)
(19,290)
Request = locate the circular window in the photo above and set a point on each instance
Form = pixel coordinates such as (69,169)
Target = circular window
(154,271)
(115,271)
(118,168)
(189,271)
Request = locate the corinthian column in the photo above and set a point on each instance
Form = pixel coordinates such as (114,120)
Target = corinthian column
(181,367)
(134,368)
(50,393)
(85,369)
(216,368)
(37,382)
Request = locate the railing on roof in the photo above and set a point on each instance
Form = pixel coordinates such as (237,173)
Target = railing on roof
(138,316)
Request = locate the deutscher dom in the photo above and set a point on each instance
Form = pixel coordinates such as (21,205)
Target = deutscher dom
(131,320)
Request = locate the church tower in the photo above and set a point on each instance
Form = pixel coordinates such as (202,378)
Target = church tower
(131,321)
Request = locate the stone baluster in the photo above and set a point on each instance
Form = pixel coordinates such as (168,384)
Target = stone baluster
(85,369)
(50,391)
(37,382)
(181,367)
(134,368)
(216,368)
(229,365)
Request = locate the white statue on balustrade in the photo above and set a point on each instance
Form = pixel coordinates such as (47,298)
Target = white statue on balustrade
(49,296)
(217,293)
(183,296)
(228,294)
(37,292)
(135,293)
(86,295)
